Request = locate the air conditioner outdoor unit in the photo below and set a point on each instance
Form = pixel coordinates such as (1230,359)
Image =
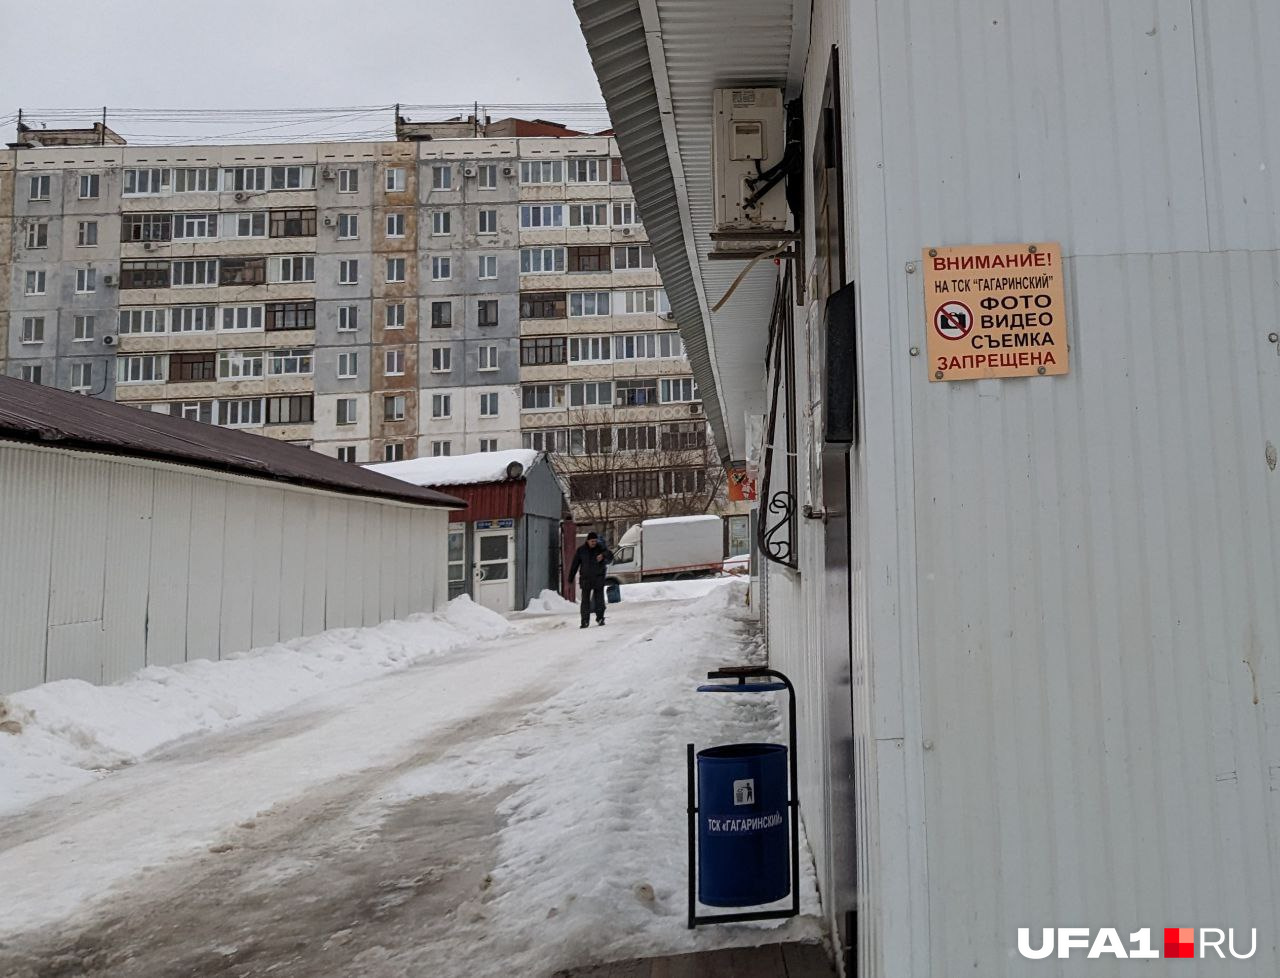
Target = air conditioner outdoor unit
(326,174)
(241,196)
(695,408)
(109,340)
(748,141)
(108,280)
(669,316)
(328,222)
(508,171)
(468,171)
(628,231)
(147,246)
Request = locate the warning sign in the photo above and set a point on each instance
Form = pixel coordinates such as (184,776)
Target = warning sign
(995,311)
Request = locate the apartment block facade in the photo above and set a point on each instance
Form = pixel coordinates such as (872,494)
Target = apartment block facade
(436,294)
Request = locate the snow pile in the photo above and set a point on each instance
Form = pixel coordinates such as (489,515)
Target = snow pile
(550,603)
(457,470)
(63,734)
(738,565)
(673,590)
(592,858)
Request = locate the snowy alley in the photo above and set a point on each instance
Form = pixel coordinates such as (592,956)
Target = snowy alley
(456,794)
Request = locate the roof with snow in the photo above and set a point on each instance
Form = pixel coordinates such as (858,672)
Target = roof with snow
(46,416)
(461,470)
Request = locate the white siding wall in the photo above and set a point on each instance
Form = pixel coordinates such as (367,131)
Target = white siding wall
(112,564)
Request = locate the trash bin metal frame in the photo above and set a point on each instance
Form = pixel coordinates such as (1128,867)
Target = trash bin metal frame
(742,674)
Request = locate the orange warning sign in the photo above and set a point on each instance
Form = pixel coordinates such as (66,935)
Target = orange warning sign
(995,311)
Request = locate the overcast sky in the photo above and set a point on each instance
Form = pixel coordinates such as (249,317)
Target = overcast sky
(235,54)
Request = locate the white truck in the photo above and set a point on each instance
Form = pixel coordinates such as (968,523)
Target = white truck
(675,546)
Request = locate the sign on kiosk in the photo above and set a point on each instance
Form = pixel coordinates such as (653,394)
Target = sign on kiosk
(995,311)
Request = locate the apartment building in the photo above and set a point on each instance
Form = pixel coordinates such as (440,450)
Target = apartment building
(466,287)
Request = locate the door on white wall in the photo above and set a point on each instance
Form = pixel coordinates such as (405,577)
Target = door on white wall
(495,572)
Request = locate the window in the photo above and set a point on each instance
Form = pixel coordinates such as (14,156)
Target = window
(89,186)
(348,365)
(547,440)
(442,405)
(33,329)
(541,171)
(31,373)
(35,282)
(590,349)
(243,271)
(293,178)
(293,409)
(440,449)
(589,215)
(626,257)
(592,394)
(489,404)
(291,315)
(300,223)
(393,407)
(682,437)
(647,346)
(87,234)
(393,363)
(146,369)
(146,227)
(195,272)
(617,170)
(347,453)
(240,364)
(441,315)
(144,275)
(348,319)
(487,357)
(195,226)
(244,178)
(588,170)
(633,393)
(540,350)
(542,215)
(296,268)
(241,413)
(488,222)
(487,312)
(242,317)
(246,224)
(644,300)
(186,368)
(488,173)
(588,303)
(395,269)
(488,444)
(86,280)
(441,177)
(624,214)
(535,261)
(82,376)
(535,397)
(195,179)
(589,259)
(441,268)
(635,485)
(284,363)
(635,438)
(347,410)
(40,187)
(348,226)
(395,225)
(679,390)
(441,222)
(83,328)
(441,359)
(681,482)
(542,305)
(348,271)
(591,441)
(394,316)
(143,321)
(393,452)
(348,183)
(488,267)
(395,180)
(38,234)
(194,319)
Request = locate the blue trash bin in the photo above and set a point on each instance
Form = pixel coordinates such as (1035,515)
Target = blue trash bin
(612,593)
(743,825)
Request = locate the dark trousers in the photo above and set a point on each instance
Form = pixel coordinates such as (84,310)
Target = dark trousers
(592,599)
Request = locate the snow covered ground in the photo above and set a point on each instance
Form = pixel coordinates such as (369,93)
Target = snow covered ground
(515,805)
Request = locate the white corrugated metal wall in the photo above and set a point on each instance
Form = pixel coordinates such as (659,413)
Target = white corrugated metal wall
(1071,583)
(114,564)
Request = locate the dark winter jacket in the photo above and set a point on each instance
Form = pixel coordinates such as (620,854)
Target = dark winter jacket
(593,571)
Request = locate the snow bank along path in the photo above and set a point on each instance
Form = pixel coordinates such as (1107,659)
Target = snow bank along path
(591,853)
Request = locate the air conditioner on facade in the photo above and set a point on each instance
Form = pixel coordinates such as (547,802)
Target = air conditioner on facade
(241,196)
(695,408)
(468,171)
(508,171)
(628,231)
(328,222)
(669,316)
(147,246)
(109,340)
(748,142)
(108,280)
(326,174)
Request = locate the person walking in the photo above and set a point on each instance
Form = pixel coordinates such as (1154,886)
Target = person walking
(589,562)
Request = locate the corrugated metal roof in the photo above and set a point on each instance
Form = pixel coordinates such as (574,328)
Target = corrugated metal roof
(46,416)
(658,89)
